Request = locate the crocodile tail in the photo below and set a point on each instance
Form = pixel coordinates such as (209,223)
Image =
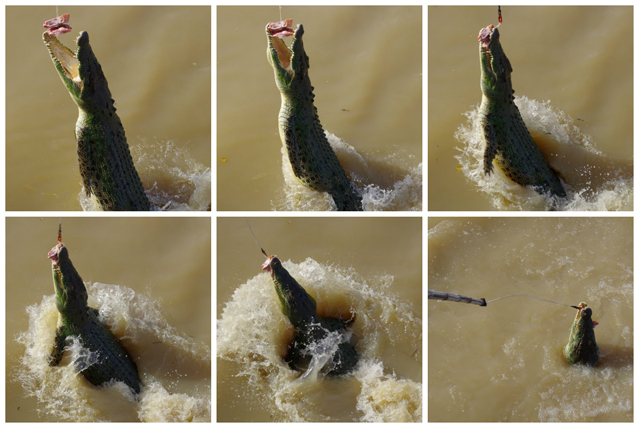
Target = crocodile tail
(347,199)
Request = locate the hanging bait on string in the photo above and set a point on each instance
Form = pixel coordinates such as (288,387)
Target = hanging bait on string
(58,26)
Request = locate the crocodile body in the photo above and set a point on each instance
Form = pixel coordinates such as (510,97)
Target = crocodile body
(507,140)
(106,166)
(311,330)
(312,159)
(582,347)
(77,319)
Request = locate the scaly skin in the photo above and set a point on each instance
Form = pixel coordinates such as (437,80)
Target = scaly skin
(312,159)
(582,347)
(310,328)
(106,165)
(77,319)
(507,140)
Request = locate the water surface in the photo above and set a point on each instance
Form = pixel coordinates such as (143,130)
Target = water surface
(366,68)
(574,65)
(157,61)
(367,268)
(504,362)
(151,280)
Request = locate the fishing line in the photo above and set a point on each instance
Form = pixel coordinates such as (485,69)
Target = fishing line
(533,296)
(256,240)
(447,296)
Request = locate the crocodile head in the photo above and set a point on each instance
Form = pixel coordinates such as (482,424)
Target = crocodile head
(495,68)
(290,65)
(582,347)
(295,302)
(80,72)
(70,291)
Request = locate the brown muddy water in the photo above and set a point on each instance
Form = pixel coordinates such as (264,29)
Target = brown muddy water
(366,68)
(504,362)
(157,61)
(151,281)
(573,81)
(371,268)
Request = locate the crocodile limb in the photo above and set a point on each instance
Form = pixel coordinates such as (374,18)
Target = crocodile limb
(582,347)
(312,159)
(106,166)
(312,332)
(507,140)
(77,319)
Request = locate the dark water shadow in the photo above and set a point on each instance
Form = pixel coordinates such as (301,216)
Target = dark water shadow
(581,168)
(615,356)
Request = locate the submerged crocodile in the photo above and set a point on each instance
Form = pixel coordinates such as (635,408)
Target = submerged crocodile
(77,319)
(507,140)
(582,347)
(314,335)
(106,166)
(312,159)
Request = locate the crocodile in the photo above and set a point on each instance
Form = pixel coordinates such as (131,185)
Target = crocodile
(582,347)
(312,159)
(77,319)
(313,334)
(106,166)
(507,140)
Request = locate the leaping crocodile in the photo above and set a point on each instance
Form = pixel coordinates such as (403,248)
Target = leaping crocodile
(312,159)
(507,140)
(312,331)
(106,166)
(77,319)
(582,347)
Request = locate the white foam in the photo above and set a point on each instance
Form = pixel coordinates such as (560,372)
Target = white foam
(252,333)
(378,192)
(384,398)
(178,182)
(615,193)
(64,395)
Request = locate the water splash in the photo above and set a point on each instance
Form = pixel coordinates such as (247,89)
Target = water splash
(169,392)
(173,180)
(383,185)
(594,181)
(253,334)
